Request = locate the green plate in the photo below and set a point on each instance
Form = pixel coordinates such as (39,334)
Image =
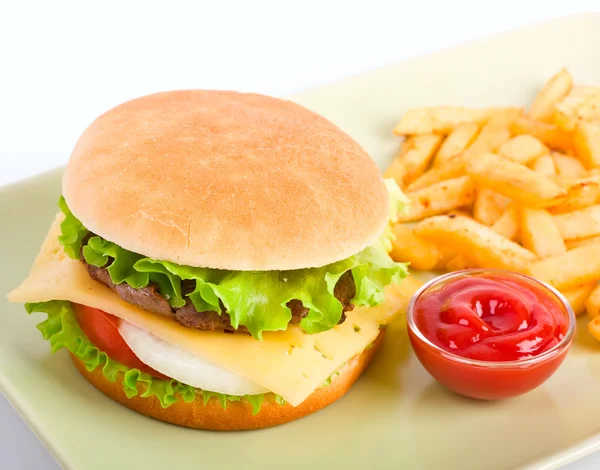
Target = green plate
(396,415)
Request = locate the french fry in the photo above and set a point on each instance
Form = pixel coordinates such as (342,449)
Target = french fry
(439,198)
(452,168)
(401,293)
(488,206)
(577,242)
(476,242)
(458,263)
(582,104)
(585,91)
(550,134)
(554,90)
(575,267)
(508,223)
(592,304)
(448,254)
(577,297)
(589,110)
(540,234)
(594,328)
(489,139)
(583,223)
(396,170)
(544,165)
(457,141)
(461,211)
(515,181)
(425,144)
(407,247)
(581,193)
(413,159)
(568,167)
(522,149)
(504,117)
(586,141)
(439,120)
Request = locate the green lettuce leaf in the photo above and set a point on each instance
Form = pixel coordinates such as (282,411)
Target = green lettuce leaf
(329,379)
(72,231)
(63,331)
(98,252)
(398,200)
(255,299)
(398,204)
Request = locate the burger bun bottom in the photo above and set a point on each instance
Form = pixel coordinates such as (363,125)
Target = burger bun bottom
(238,415)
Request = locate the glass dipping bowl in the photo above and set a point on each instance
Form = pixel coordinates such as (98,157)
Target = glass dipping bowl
(488,380)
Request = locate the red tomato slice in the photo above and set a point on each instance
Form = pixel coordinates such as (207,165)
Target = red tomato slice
(103,330)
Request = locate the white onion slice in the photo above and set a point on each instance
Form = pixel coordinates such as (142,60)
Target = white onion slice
(183,365)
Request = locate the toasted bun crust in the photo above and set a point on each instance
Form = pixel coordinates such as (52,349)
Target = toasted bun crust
(225,180)
(238,415)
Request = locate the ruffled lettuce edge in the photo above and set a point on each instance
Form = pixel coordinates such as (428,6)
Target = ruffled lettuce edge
(62,330)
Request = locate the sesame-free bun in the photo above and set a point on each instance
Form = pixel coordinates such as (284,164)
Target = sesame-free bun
(225,180)
(238,415)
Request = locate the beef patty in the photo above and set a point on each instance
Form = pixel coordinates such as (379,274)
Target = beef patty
(149,298)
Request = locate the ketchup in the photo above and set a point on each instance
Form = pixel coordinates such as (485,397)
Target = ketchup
(490,334)
(491,318)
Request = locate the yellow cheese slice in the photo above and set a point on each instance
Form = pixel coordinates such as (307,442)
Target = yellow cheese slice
(290,363)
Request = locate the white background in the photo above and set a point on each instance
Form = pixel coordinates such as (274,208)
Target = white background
(62,64)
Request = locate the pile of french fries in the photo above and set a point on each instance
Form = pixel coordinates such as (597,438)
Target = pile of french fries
(507,188)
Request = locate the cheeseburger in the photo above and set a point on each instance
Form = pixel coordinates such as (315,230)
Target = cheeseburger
(219,260)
